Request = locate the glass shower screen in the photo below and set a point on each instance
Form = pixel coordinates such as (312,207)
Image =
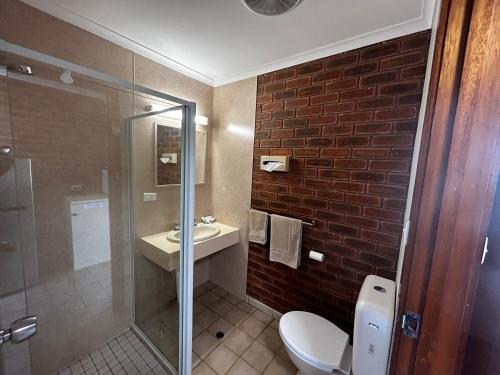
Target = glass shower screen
(74,209)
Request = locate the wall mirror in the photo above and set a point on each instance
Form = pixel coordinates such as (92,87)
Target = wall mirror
(168,143)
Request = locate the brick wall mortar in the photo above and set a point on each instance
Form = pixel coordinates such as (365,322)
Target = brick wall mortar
(348,124)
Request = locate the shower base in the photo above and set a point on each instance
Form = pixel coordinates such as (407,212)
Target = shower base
(125,354)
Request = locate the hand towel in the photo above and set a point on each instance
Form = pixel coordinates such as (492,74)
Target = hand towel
(257,222)
(286,240)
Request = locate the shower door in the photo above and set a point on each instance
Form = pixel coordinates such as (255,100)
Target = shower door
(161,305)
(63,229)
(14,358)
(65,241)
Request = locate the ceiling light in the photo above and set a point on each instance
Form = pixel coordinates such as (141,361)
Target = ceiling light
(271,7)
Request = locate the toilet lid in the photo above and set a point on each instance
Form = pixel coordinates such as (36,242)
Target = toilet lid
(314,338)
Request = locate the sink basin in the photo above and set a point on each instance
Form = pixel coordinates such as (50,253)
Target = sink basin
(159,249)
(201,232)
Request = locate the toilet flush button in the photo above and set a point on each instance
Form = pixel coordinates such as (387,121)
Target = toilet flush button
(380,289)
(373,326)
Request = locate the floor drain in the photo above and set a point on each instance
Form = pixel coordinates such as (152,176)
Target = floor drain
(219,334)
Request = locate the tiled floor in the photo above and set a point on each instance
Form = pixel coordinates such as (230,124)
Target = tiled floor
(81,304)
(125,354)
(251,343)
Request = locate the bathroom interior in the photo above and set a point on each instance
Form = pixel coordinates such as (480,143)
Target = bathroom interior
(244,187)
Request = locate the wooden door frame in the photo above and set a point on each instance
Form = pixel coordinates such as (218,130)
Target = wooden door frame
(447,64)
(467,199)
(452,209)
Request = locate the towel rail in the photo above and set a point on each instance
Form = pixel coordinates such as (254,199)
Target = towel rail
(306,223)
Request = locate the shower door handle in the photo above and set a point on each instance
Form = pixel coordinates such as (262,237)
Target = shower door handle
(19,331)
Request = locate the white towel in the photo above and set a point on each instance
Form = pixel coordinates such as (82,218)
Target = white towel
(286,240)
(257,222)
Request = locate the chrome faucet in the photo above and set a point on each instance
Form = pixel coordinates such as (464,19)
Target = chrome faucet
(177,226)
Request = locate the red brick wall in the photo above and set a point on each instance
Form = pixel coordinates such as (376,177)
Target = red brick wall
(168,140)
(348,124)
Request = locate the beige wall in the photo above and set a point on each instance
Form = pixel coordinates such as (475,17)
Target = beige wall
(226,194)
(159,216)
(28,27)
(232,149)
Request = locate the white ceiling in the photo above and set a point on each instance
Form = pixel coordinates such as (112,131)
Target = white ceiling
(221,41)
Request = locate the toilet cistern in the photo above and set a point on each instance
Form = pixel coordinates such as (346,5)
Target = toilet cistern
(316,346)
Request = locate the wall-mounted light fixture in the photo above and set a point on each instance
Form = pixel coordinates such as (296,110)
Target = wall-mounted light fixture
(177,115)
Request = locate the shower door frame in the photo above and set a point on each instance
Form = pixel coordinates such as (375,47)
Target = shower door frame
(187,237)
(187,183)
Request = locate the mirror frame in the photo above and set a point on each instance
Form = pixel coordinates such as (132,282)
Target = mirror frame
(173,123)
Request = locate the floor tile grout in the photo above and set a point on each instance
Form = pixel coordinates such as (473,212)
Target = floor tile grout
(127,354)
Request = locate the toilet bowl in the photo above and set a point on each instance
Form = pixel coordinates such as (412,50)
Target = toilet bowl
(316,346)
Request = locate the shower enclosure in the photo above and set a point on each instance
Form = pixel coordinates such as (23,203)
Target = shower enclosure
(70,276)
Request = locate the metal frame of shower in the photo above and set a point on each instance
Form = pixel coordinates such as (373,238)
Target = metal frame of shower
(187,182)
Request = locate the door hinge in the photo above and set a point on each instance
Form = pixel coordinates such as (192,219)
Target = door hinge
(485,250)
(406,231)
(411,324)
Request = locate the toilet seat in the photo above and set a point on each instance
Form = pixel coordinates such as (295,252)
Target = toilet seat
(314,339)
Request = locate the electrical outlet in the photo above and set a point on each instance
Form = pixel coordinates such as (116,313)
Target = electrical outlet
(149,197)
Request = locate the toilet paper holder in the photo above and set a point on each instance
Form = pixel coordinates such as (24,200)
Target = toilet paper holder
(316,255)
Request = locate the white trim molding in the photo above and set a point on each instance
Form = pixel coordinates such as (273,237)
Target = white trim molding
(391,32)
(423,22)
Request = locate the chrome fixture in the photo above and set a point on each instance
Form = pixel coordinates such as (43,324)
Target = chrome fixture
(271,7)
(177,226)
(305,223)
(5,150)
(66,77)
(19,331)
(25,69)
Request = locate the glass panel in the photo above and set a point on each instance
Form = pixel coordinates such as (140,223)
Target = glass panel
(15,211)
(156,212)
(79,146)
(70,155)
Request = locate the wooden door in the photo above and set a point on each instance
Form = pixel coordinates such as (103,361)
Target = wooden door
(447,65)
(482,355)
(440,274)
(470,184)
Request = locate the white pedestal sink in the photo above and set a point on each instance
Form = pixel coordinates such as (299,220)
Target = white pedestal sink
(164,248)
(202,232)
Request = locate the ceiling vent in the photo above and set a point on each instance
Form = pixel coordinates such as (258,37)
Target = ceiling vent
(271,7)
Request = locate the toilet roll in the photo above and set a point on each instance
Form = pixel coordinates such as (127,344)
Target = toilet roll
(320,257)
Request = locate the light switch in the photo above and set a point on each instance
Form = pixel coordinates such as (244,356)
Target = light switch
(149,197)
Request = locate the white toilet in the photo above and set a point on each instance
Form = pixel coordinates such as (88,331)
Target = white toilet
(317,346)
